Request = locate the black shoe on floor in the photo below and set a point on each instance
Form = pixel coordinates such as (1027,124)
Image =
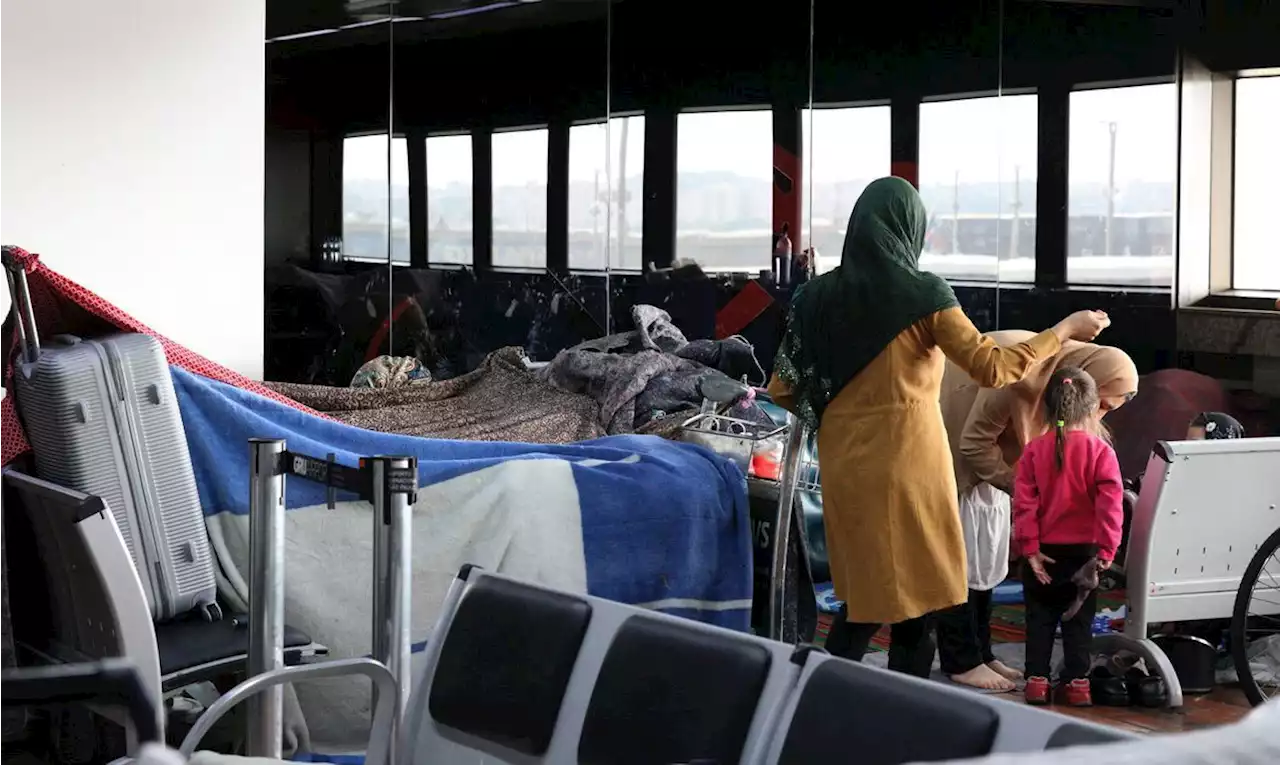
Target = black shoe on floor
(1146,690)
(1107,689)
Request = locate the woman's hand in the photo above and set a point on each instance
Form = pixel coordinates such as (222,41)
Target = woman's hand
(1036,561)
(1082,325)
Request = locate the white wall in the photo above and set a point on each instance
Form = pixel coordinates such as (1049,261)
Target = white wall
(132,143)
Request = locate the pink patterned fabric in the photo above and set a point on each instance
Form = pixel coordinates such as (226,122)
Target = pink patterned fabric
(63,307)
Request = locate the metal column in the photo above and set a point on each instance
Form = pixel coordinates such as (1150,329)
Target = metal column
(266,594)
(392,575)
(796,437)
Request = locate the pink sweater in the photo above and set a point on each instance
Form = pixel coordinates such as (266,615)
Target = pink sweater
(1081,504)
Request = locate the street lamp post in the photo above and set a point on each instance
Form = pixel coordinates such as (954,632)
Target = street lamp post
(1111,187)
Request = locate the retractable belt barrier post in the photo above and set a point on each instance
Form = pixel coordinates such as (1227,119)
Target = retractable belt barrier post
(390,484)
(266,594)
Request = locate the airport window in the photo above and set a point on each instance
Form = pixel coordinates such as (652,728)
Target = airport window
(1122,186)
(520,198)
(724,189)
(449,200)
(368,175)
(848,147)
(978,162)
(1255,262)
(606,176)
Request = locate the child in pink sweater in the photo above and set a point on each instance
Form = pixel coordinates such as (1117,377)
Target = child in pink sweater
(1067,518)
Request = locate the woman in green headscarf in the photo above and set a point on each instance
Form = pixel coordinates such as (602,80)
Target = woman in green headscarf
(863,357)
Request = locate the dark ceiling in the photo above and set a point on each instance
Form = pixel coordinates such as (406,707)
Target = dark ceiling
(338,23)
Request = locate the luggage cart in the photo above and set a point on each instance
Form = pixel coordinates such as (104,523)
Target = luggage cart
(771,456)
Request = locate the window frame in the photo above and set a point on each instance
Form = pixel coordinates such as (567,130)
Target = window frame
(767,109)
(1136,82)
(993,281)
(343,257)
(607,121)
(1204,278)
(492,234)
(426,190)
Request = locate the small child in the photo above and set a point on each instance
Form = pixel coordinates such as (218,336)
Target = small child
(1214,426)
(1067,515)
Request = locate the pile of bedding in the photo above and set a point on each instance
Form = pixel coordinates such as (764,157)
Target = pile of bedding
(649,379)
(501,400)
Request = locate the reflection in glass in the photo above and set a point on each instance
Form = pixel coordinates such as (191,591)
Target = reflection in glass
(364,198)
(978,164)
(1122,185)
(1254,264)
(849,148)
(603,227)
(520,198)
(449,199)
(724,189)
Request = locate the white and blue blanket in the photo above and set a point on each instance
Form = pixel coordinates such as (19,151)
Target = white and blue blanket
(635,519)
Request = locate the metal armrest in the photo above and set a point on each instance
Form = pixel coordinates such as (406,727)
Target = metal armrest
(383,714)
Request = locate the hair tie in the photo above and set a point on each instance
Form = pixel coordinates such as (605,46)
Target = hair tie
(1062,424)
(1066,381)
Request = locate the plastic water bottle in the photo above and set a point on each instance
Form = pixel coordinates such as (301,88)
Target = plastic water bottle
(1101,624)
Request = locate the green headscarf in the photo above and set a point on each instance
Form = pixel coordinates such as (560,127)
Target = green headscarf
(842,320)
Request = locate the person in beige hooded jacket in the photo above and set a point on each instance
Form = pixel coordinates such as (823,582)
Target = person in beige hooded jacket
(987,430)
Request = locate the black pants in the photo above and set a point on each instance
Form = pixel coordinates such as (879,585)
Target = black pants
(964,634)
(911,647)
(1045,605)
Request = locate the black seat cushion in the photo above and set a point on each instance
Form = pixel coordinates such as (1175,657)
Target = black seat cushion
(1075,734)
(672,694)
(880,718)
(191,642)
(506,662)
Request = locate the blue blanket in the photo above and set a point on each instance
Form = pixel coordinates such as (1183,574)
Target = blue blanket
(662,524)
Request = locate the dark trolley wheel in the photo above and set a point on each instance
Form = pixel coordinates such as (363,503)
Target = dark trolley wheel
(1245,623)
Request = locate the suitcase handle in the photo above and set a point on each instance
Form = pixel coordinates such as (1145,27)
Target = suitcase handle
(20,294)
(110,681)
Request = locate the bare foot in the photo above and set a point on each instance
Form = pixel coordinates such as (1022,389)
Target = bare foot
(983,678)
(1004,670)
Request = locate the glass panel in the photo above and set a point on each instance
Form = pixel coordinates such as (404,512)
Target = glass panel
(605,202)
(520,198)
(975,154)
(724,191)
(588,197)
(1122,190)
(848,147)
(1255,262)
(335,192)
(449,200)
(369,175)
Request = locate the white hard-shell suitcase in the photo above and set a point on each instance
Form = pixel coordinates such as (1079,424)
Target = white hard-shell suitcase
(102,418)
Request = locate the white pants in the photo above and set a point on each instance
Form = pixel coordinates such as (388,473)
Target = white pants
(986,518)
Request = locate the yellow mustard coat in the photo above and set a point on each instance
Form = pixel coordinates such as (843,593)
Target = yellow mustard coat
(888,485)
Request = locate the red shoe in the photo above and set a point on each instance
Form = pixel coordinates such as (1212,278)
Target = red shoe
(1077,693)
(1037,693)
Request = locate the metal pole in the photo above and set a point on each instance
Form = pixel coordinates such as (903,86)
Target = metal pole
(381,560)
(392,636)
(266,594)
(797,434)
(26,312)
(1111,188)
